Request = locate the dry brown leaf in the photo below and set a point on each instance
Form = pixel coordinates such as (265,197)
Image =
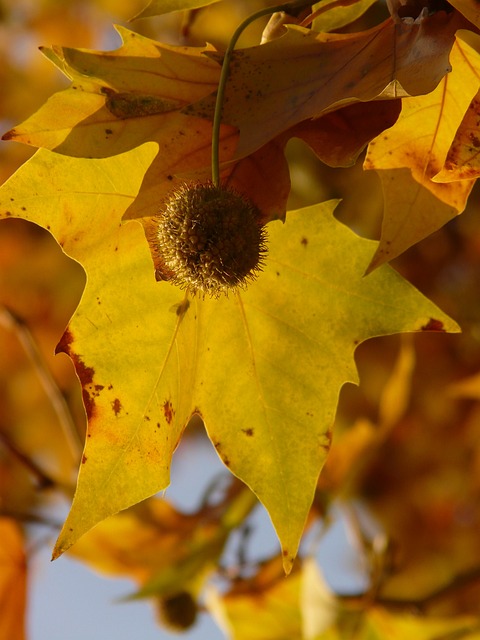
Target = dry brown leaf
(304,74)
(339,137)
(469,8)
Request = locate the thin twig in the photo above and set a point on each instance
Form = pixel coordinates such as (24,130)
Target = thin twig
(420,605)
(43,479)
(15,324)
(31,518)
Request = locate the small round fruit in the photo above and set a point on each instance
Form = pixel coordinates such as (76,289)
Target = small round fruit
(210,239)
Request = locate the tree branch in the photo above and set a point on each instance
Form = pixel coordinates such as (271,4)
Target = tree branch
(418,605)
(15,324)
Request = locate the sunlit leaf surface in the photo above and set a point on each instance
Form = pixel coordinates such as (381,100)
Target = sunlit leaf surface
(417,200)
(268,607)
(263,367)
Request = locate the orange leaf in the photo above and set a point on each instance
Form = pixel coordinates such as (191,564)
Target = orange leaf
(304,74)
(339,137)
(410,155)
(463,158)
(469,8)
(411,213)
(263,176)
(13,581)
(118,99)
(164,550)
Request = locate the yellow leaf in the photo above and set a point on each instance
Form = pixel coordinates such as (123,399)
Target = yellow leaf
(396,392)
(134,94)
(317,604)
(149,91)
(381,624)
(409,156)
(340,14)
(122,98)
(463,158)
(165,551)
(270,606)
(411,213)
(118,99)
(263,367)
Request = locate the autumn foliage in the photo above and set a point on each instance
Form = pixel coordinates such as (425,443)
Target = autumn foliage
(349,132)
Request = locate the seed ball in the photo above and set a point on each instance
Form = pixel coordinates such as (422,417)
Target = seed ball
(210,238)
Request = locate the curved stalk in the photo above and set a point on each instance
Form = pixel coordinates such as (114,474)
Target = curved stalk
(224,77)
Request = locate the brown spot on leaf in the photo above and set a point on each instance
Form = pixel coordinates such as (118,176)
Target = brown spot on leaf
(433,325)
(131,105)
(85,374)
(65,341)
(168,411)
(9,135)
(474,140)
(304,241)
(84,459)
(327,443)
(116,406)
(248,432)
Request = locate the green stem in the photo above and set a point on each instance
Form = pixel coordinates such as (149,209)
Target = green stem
(295,4)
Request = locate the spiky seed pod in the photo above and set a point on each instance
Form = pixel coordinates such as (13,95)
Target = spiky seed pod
(210,238)
(178,612)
